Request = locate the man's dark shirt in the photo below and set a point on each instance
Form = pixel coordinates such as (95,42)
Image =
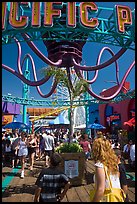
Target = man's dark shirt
(51,180)
(123,178)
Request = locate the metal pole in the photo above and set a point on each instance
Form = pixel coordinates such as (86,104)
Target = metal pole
(25,92)
(87,107)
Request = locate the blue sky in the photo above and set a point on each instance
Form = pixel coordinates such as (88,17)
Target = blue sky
(11,84)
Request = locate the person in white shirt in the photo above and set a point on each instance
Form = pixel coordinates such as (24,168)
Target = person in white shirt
(23,151)
(49,146)
(132,154)
(126,150)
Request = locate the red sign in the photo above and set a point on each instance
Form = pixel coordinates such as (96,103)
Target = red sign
(113,117)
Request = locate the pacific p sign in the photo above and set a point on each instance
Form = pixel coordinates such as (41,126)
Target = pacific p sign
(43,14)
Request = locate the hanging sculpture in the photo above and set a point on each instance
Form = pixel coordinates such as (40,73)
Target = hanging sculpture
(63,52)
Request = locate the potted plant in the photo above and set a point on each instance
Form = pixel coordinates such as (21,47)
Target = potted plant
(73,161)
(69,148)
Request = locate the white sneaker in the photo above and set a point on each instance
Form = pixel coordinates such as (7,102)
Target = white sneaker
(22,174)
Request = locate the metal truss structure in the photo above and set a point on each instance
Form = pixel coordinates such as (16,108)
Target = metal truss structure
(105,33)
(64,46)
(65,103)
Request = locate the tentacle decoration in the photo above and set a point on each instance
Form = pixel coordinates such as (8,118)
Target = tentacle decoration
(51,91)
(118,90)
(21,76)
(35,77)
(37,51)
(79,73)
(26,81)
(101,66)
(112,53)
(19,66)
(78,68)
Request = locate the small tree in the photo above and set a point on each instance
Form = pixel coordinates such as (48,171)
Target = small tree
(75,87)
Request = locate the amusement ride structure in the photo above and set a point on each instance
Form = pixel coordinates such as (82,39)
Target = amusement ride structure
(64,36)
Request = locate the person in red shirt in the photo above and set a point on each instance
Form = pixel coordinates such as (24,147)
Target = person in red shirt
(85,144)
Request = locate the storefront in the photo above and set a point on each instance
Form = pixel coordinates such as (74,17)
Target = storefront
(114,123)
(113,115)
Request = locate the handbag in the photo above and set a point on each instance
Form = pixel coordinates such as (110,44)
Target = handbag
(91,194)
(110,194)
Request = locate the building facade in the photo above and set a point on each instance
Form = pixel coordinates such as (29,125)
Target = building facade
(113,115)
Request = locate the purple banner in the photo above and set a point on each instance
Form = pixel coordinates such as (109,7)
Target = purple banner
(10,108)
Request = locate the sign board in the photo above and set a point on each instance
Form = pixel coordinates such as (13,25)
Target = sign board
(71,168)
(114,117)
(18,20)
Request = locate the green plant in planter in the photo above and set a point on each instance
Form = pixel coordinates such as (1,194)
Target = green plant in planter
(69,148)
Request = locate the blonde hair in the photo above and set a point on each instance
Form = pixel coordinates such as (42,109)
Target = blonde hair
(103,152)
(99,134)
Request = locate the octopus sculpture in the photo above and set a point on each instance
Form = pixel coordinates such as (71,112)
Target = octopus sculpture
(67,54)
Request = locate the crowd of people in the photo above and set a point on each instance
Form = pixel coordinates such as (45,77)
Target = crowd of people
(21,147)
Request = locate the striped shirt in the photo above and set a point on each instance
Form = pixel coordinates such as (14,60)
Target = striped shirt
(51,180)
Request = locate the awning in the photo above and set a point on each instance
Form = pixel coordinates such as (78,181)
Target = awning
(96,126)
(16,125)
(130,122)
(60,120)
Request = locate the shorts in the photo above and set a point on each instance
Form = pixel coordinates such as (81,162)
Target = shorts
(48,152)
(87,154)
(31,150)
(41,147)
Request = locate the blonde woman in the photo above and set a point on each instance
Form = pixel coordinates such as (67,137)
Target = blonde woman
(104,157)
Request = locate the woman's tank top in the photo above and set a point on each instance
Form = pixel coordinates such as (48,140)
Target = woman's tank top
(114,178)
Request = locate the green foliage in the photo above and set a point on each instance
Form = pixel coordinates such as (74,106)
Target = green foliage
(79,86)
(69,148)
(59,74)
(75,87)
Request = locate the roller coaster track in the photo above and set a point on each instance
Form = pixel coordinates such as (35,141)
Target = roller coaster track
(65,103)
(57,110)
(47,103)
